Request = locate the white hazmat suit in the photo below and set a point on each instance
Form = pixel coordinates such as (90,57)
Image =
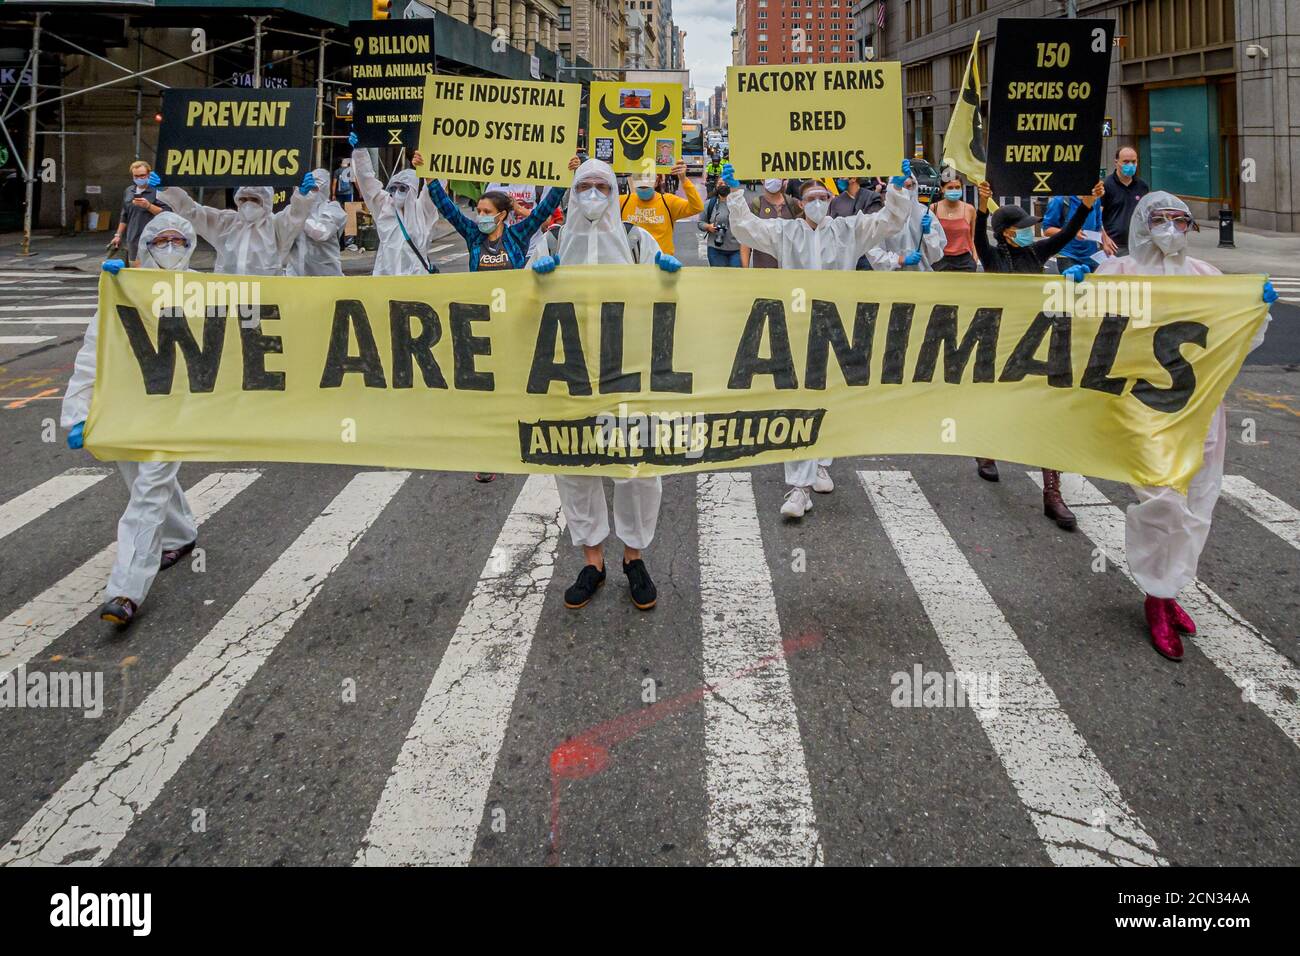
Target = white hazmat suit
(836,244)
(1165,532)
(157,518)
(604,240)
(256,246)
(316,251)
(414,210)
(884,257)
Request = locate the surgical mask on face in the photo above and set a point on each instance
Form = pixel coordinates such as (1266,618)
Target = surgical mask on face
(773,185)
(168,256)
(250,211)
(592,203)
(952,195)
(1024,237)
(1168,239)
(487,223)
(815,209)
(141,180)
(841,184)
(645,193)
(1128,169)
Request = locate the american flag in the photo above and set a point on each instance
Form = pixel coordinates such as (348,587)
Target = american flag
(880,15)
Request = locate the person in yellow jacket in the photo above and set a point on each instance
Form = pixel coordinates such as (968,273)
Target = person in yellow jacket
(657,212)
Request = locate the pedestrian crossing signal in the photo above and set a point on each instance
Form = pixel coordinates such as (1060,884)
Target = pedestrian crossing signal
(381,9)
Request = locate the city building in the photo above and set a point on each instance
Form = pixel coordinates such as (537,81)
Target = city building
(593,32)
(794,31)
(1202,89)
(643,34)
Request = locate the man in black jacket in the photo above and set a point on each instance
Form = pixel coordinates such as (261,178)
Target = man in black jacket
(1016,250)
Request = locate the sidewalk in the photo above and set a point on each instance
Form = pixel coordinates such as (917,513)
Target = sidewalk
(85,252)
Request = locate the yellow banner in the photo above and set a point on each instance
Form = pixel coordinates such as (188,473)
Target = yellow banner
(630,371)
(815,120)
(636,127)
(513,131)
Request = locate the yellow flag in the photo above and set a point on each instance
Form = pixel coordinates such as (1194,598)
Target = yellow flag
(963,146)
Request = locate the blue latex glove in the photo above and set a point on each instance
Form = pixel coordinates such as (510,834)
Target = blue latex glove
(926,220)
(308,184)
(545,264)
(1270,294)
(352,140)
(912,258)
(113,266)
(74,436)
(667,263)
(729,175)
(1076,273)
(155,181)
(900,181)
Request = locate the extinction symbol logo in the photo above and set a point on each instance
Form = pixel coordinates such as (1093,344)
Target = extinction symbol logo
(634,129)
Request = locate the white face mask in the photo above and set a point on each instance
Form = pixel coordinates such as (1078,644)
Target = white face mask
(169,256)
(250,211)
(593,203)
(1168,239)
(816,209)
(773,185)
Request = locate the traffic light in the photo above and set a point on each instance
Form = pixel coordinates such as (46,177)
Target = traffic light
(381,9)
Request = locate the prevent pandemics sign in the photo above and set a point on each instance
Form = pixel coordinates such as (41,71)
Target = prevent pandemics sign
(796,121)
(390,59)
(485,131)
(233,138)
(1047,106)
(629,371)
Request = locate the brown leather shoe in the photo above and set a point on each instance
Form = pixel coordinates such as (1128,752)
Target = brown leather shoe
(1053,504)
(986,468)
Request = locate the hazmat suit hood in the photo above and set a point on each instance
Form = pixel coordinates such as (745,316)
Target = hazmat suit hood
(167,222)
(1142,247)
(587,242)
(263,193)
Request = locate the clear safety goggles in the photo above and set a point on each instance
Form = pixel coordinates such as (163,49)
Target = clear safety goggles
(600,185)
(162,242)
(813,195)
(397,189)
(1180,220)
(249,201)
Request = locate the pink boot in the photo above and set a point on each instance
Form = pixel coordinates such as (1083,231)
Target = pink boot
(1160,622)
(1182,620)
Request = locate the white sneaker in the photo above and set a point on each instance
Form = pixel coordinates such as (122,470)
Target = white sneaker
(797,503)
(823,484)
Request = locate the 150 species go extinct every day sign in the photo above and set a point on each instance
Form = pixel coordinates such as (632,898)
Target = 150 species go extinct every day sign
(815,120)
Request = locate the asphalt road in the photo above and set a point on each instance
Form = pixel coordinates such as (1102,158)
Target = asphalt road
(377,667)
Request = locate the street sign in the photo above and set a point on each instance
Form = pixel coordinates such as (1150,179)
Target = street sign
(1047,104)
(390,59)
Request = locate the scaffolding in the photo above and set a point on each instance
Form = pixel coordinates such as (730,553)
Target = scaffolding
(52,43)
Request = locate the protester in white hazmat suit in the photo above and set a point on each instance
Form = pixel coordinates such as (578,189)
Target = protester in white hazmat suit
(157,529)
(594,233)
(1166,531)
(316,251)
(251,239)
(815,241)
(404,217)
(917,246)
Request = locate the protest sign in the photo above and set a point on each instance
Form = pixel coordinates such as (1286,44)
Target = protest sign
(638,125)
(390,59)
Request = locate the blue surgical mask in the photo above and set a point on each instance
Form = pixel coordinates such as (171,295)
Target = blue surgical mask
(1024,237)
(487,223)
(952,195)
(645,193)
(141,180)
(1128,169)
(841,184)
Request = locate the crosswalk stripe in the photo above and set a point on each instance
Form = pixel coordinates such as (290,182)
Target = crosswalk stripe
(82,320)
(48,616)
(1269,510)
(1073,802)
(90,815)
(62,304)
(430,808)
(26,339)
(1265,675)
(31,504)
(760,808)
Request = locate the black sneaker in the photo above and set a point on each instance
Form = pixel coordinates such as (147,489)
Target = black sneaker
(580,593)
(172,556)
(119,611)
(639,584)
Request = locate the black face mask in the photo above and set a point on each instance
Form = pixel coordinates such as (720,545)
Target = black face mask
(724,191)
